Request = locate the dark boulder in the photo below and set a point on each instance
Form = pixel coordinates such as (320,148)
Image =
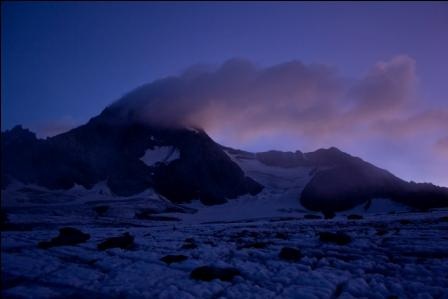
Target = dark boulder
(189,243)
(290,254)
(328,214)
(208,273)
(256,245)
(126,241)
(281,235)
(443,219)
(101,210)
(355,217)
(336,238)
(311,217)
(169,259)
(67,236)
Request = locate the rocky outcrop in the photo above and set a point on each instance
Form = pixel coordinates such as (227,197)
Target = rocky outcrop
(109,148)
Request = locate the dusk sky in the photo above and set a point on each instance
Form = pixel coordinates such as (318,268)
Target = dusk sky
(370,79)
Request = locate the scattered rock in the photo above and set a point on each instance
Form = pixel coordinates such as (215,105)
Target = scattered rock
(208,273)
(126,241)
(443,219)
(101,210)
(381,231)
(337,238)
(4,220)
(312,216)
(280,235)
(328,214)
(148,215)
(169,259)
(67,236)
(3,217)
(189,243)
(355,217)
(257,245)
(290,254)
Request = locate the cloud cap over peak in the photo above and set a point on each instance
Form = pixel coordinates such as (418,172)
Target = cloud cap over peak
(296,105)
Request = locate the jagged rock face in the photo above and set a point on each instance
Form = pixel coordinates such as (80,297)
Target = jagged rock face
(282,159)
(109,148)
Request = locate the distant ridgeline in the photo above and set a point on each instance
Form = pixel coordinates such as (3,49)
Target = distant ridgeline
(111,148)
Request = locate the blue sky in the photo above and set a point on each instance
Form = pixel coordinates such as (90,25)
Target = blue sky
(62,63)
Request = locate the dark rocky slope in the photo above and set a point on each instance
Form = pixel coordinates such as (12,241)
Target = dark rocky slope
(341,181)
(109,147)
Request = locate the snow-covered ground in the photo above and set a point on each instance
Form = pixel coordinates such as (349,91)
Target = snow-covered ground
(391,254)
(160,154)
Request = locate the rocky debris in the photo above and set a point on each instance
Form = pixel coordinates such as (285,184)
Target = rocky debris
(208,273)
(290,254)
(328,214)
(67,236)
(189,243)
(148,216)
(256,245)
(280,235)
(443,219)
(311,216)
(3,220)
(337,238)
(126,241)
(111,146)
(355,217)
(381,231)
(169,259)
(101,210)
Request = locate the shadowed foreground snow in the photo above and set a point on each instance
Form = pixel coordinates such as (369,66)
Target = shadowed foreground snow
(392,253)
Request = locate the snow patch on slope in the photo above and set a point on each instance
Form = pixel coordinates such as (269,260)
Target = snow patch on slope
(279,198)
(160,154)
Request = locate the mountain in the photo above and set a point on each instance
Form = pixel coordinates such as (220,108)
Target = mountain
(110,149)
(336,181)
(183,164)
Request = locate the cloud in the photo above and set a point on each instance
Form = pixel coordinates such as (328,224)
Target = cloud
(305,106)
(308,99)
(442,146)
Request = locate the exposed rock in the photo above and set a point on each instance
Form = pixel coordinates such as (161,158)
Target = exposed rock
(67,236)
(169,259)
(443,219)
(337,238)
(349,181)
(328,214)
(189,243)
(126,241)
(312,216)
(281,235)
(208,273)
(146,215)
(355,217)
(109,147)
(290,254)
(256,245)
(101,210)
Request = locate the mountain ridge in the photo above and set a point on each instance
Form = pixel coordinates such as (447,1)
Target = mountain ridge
(110,147)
